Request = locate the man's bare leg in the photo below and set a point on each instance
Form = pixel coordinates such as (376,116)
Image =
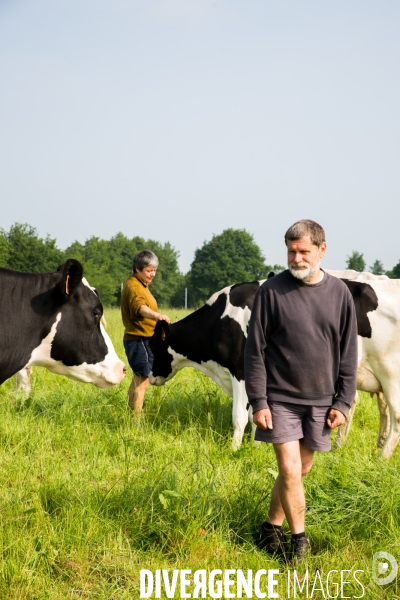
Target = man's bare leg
(287,498)
(136,392)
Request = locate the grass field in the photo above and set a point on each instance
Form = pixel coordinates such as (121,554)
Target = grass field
(88,498)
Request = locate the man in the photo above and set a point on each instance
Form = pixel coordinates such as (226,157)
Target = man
(139,315)
(300,372)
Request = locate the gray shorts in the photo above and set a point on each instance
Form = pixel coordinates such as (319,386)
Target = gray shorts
(298,422)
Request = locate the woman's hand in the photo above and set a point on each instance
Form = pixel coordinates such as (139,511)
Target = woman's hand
(163,318)
(145,311)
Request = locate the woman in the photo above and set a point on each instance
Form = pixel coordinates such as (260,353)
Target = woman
(139,315)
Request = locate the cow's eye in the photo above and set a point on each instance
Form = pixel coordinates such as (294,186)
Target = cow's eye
(96,313)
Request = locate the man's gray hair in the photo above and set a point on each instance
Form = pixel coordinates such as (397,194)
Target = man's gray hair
(306,227)
(144,259)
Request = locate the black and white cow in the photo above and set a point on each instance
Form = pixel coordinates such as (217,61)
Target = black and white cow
(358,275)
(384,421)
(23,379)
(53,320)
(379,352)
(212,339)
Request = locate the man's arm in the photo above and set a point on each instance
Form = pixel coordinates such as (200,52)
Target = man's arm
(254,360)
(347,379)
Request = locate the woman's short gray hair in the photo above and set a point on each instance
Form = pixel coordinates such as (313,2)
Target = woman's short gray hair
(306,227)
(144,259)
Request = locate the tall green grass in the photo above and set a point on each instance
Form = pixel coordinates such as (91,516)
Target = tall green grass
(88,497)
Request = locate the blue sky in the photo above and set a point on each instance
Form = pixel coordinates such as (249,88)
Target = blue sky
(175,119)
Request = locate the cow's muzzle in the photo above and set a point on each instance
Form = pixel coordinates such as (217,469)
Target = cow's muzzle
(158,380)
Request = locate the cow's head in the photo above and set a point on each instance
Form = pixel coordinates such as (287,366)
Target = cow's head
(77,344)
(162,365)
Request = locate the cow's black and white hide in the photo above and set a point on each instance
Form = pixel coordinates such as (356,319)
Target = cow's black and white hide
(379,356)
(357,275)
(23,379)
(212,340)
(384,421)
(384,414)
(53,320)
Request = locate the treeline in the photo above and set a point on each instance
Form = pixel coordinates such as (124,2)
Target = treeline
(106,263)
(356,261)
(232,256)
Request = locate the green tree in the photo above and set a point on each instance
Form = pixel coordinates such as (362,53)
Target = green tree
(26,251)
(76,250)
(277,269)
(395,272)
(178,298)
(108,263)
(168,276)
(3,248)
(102,266)
(122,250)
(377,268)
(230,257)
(356,261)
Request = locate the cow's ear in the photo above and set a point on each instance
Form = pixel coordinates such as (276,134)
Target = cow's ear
(72,273)
(271,274)
(161,330)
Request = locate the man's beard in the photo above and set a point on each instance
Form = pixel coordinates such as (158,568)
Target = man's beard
(306,273)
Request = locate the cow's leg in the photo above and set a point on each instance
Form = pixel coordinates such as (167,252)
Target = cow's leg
(343,430)
(239,412)
(391,390)
(384,424)
(22,381)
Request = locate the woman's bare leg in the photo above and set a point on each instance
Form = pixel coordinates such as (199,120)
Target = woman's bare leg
(136,392)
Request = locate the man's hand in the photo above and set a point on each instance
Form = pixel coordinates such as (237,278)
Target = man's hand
(263,419)
(335,418)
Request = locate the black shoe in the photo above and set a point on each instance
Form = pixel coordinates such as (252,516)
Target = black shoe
(299,548)
(271,539)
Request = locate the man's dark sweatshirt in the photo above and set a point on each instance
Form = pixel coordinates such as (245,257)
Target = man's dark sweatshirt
(302,344)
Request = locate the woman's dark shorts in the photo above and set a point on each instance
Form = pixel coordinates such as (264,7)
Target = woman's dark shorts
(139,355)
(292,422)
